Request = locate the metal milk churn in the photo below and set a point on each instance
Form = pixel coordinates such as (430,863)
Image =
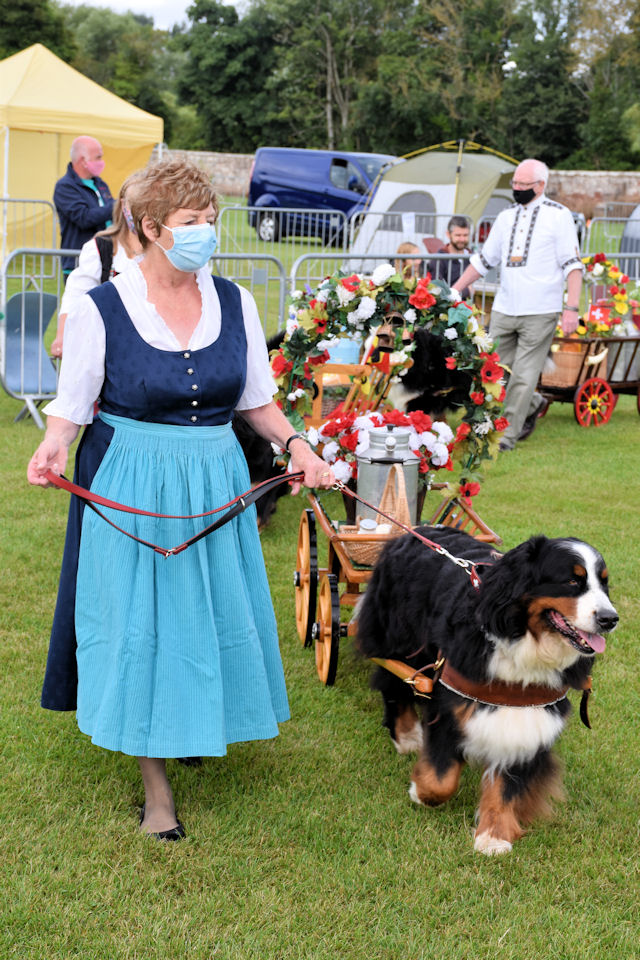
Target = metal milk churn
(387,445)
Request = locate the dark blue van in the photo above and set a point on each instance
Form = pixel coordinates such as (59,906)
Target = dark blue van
(331,180)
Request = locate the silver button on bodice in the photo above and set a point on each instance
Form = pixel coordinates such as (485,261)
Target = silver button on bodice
(190,371)
(193,419)
(194,403)
(194,386)
(186,355)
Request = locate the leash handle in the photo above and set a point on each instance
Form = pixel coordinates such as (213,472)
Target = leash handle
(88,496)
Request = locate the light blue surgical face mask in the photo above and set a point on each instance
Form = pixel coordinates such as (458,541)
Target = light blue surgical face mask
(192,246)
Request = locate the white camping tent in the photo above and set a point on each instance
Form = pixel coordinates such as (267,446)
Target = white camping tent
(414,199)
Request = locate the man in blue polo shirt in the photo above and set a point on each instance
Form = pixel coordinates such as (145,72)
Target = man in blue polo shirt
(83,201)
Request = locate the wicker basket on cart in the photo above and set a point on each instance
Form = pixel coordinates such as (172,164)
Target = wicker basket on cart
(573,363)
(395,504)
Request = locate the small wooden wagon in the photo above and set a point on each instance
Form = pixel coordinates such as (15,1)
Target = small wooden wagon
(317,589)
(591,373)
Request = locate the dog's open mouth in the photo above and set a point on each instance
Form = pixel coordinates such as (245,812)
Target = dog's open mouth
(586,643)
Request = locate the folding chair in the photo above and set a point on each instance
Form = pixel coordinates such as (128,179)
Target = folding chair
(29,373)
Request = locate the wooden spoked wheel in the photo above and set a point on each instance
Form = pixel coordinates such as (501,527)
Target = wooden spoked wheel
(326,630)
(593,403)
(305,578)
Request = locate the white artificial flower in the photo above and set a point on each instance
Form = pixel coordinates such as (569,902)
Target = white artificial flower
(453,296)
(365,309)
(292,324)
(381,274)
(363,442)
(328,344)
(330,451)
(443,430)
(439,455)
(291,397)
(410,315)
(451,333)
(414,440)
(472,325)
(344,296)
(598,270)
(428,440)
(398,357)
(483,342)
(342,471)
(296,294)
(483,428)
(312,436)
(366,422)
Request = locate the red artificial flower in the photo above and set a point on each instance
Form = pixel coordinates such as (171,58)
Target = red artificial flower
(490,357)
(613,290)
(280,365)
(464,429)
(500,424)
(599,258)
(424,465)
(351,283)
(478,397)
(589,267)
(397,418)
(490,372)
(319,359)
(421,299)
(468,490)
(349,441)
(450,363)
(624,278)
(420,421)
(501,395)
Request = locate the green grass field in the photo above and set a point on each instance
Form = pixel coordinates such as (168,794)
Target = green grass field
(308,847)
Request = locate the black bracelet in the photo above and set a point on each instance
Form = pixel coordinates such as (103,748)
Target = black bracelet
(294,436)
(573,309)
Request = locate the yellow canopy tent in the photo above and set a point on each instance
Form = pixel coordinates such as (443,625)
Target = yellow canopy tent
(44,105)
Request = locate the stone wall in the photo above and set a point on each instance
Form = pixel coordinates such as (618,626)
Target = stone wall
(583,190)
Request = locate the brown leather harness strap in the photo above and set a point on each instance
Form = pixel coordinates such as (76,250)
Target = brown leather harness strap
(498,693)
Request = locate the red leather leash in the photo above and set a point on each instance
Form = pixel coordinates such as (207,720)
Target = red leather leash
(234,507)
(467,565)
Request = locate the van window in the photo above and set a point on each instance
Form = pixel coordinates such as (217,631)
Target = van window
(345,176)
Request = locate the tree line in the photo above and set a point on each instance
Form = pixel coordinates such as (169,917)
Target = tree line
(555,79)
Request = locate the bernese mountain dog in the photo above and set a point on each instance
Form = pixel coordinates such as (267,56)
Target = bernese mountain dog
(512,645)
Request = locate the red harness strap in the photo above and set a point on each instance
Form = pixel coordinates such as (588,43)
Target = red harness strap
(234,507)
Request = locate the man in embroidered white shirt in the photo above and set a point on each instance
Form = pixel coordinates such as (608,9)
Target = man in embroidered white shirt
(535,244)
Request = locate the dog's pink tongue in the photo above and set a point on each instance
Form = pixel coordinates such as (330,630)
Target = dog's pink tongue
(595,641)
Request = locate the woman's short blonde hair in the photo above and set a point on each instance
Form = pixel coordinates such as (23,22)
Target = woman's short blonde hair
(168,186)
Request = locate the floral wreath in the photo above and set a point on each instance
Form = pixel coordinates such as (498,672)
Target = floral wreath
(356,306)
(605,319)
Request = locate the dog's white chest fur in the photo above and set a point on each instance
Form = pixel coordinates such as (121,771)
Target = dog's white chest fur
(509,735)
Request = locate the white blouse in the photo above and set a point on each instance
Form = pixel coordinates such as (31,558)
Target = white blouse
(83,355)
(88,273)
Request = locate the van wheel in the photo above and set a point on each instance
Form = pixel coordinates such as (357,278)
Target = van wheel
(268,227)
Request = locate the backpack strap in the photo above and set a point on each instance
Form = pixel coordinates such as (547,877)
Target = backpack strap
(105,249)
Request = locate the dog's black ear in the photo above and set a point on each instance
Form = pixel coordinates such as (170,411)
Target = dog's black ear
(502,607)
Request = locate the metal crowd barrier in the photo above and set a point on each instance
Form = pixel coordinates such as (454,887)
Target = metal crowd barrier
(280,231)
(26,224)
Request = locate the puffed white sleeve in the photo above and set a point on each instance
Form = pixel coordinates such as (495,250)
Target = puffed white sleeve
(260,386)
(82,368)
(85,277)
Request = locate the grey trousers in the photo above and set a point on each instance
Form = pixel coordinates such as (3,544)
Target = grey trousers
(523,344)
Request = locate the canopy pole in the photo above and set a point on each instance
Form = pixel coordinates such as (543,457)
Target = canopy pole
(458,170)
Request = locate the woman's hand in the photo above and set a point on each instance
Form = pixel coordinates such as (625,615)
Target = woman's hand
(317,473)
(53,451)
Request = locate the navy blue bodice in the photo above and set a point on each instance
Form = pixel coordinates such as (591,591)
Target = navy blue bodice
(183,387)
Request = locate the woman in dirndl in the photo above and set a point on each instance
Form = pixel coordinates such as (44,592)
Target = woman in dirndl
(166,657)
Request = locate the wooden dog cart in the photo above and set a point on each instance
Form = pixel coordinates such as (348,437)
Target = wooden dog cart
(317,589)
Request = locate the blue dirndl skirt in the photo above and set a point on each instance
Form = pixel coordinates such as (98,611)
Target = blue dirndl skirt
(177,657)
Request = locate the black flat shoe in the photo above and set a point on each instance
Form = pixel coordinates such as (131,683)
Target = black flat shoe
(190,761)
(175,833)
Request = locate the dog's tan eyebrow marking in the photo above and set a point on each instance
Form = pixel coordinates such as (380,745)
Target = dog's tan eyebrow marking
(604,573)
(579,570)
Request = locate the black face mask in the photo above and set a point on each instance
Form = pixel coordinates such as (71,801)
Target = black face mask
(524,196)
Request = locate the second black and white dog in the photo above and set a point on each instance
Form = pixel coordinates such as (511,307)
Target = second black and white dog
(530,630)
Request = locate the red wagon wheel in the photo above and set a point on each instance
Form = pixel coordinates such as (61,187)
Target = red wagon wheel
(326,630)
(593,401)
(305,578)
